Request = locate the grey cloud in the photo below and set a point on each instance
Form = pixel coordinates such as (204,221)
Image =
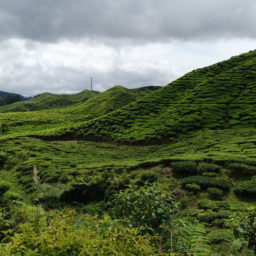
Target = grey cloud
(67,80)
(150,20)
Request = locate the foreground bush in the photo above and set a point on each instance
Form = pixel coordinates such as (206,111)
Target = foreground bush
(148,208)
(62,234)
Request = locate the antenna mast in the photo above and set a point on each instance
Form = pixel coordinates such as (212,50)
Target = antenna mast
(91,83)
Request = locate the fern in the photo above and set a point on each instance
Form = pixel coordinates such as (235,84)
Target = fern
(191,240)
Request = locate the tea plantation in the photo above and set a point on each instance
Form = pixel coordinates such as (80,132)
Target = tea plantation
(148,171)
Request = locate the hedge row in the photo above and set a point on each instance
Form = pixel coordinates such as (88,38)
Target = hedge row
(192,168)
(206,182)
(246,188)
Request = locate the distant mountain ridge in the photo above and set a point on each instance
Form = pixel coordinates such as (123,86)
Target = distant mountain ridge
(48,101)
(9,98)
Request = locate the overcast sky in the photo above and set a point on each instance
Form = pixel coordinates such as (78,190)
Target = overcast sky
(56,45)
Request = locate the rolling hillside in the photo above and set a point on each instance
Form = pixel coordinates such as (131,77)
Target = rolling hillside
(197,176)
(221,96)
(48,101)
(35,122)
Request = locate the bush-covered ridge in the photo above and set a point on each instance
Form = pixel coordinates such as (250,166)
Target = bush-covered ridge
(48,101)
(34,122)
(221,96)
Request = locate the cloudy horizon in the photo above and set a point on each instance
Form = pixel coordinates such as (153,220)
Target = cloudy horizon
(56,46)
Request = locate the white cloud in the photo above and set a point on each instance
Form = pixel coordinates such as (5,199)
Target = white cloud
(66,67)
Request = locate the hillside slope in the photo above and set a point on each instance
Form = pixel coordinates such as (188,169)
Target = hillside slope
(9,98)
(101,104)
(221,96)
(47,101)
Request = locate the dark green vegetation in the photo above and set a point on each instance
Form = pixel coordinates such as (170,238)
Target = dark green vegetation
(180,180)
(9,98)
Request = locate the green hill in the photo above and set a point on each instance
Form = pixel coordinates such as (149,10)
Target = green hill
(220,96)
(47,101)
(183,190)
(33,122)
(9,98)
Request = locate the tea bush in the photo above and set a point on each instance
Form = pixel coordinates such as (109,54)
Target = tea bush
(184,168)
(206,182)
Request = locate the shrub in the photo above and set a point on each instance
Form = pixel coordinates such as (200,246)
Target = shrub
(60,235)
(184,168)
(241,169)
(220,236)
(208,167)
(49,194)
(13,196)
(148,208)
(246,188)
(206,182)
(4,187)
(214,205)
(193,187)
(215,193)
(190,212)
(84,193)
(145,177)
(210,174)
(211,216)
(3,158)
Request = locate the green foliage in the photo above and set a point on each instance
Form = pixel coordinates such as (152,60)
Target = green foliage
(4,187)
(147,177)
(148,208)
(208,168)
(215,193)
(246,189)
(84,193)
(3,158)
(9,98)
(212,217)
(245,227)
(214,205)
(193,187)
(192,240)
(60,234)
(13,196)
(220,236)
(240,169)
(185,167)
(206,182)
(4,129)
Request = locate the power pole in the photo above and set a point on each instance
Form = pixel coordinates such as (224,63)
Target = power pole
(91,84)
